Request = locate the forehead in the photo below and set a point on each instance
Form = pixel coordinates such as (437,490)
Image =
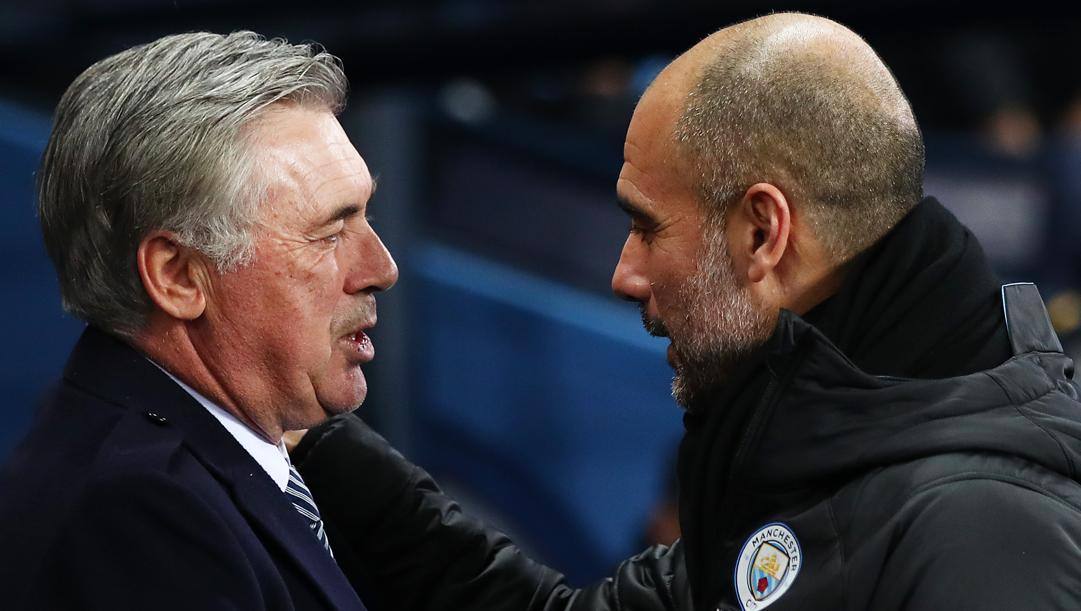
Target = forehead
(653,169)
(308,162)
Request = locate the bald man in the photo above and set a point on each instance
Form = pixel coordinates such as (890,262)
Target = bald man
(872,421)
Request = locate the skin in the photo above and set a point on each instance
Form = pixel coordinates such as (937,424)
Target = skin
(659,254)
(274,342)
(776,257)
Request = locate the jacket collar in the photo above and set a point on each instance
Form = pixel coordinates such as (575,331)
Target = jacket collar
(830,419)
(113,370)
(1027,322)
(922,302)
(802,419)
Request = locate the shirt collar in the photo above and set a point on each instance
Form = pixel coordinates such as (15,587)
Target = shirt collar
(273,458)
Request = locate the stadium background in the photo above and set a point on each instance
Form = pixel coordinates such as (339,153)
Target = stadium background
(504,365)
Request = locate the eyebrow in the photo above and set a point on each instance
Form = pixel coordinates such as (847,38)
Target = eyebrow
(632,209)
(346,211)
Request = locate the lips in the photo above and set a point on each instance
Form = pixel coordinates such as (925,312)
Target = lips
(360,346)
(653,326)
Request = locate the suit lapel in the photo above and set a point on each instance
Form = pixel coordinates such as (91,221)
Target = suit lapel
(110,368)
(273,516)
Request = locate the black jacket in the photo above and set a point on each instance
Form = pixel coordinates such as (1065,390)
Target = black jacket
(818,485)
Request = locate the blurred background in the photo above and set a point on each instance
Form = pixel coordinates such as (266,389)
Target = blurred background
(505,367)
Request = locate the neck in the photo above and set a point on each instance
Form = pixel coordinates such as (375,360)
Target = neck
(922,302)
(817,286)
(170,346)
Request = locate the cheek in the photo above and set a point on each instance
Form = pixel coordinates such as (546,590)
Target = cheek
(288,308)
(670,293)
(313,287)
(665,282)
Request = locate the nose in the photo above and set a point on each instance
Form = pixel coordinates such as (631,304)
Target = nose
(628,280)
(373,269)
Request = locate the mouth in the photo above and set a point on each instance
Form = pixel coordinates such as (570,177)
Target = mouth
(359,345)
(653,326)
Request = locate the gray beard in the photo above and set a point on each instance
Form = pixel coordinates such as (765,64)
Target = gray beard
(720,327)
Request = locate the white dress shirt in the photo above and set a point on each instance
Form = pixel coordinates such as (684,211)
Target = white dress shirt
(272,458)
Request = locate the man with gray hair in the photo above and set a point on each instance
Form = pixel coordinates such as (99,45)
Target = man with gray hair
(205,213)
(872,420)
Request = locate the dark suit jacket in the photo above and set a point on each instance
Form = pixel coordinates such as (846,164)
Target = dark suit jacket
(127,494)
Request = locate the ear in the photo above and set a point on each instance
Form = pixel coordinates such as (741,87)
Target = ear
(173,275)
(766,219)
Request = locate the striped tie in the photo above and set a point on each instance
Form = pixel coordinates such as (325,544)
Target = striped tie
(302,500)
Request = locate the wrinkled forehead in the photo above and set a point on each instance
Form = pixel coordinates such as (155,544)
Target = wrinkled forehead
(307,162)
(316,173)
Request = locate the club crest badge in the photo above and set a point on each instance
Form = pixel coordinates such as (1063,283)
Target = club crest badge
(768,565)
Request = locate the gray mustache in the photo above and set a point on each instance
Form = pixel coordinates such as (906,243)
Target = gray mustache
(654,326)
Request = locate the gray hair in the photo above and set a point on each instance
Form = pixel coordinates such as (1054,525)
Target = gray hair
(154,138)
(806,105)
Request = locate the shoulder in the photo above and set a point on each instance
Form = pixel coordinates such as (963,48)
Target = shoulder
(77,438)
(146,470)
(139,475)
(84,451)
(1005,510)
(965,480)
(981,537)
(135,534)
(983,489)
(144,540)
(959,479)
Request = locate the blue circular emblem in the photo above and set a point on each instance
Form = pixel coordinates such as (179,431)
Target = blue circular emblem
(768,564)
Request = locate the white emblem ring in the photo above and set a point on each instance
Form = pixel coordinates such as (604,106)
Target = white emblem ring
(768,564)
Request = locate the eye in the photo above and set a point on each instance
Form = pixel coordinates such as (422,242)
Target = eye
(644,233)
(332,239)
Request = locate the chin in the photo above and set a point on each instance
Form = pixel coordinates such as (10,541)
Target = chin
(341,393)
(680,393)
(334,406)
(334,410)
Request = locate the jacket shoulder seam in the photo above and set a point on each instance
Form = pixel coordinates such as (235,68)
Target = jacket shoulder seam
(991,477)
(84,390)
(1005,392)
(1022,411)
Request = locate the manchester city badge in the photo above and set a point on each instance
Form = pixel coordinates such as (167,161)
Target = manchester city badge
(767,567)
